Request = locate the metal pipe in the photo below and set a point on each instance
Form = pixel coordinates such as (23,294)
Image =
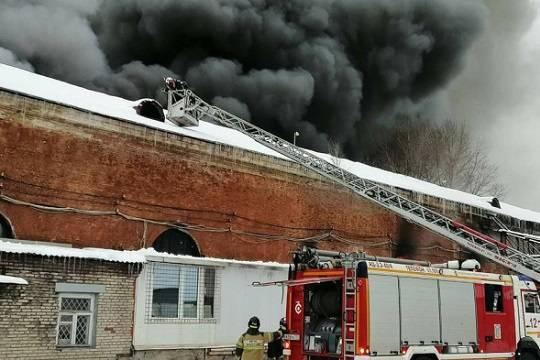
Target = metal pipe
(336,255)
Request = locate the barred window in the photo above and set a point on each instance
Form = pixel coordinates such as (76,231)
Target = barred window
(181,293)
(75,320)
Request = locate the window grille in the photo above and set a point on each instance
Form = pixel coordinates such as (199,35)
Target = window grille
(179,293)
(75,320)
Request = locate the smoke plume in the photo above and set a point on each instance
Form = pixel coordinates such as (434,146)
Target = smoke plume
(328,69)
(406,242)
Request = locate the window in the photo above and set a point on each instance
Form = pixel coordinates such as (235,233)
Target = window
(493,298)
(5,228)
(174,241)
(181,292)
(531,303)
(75,320)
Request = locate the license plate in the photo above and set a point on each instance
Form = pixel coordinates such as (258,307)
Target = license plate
(291,337)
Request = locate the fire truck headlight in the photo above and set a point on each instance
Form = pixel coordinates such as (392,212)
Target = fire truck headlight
(362,351)
(286,344)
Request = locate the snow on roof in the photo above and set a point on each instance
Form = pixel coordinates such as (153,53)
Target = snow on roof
(68,252)
(125,256)
(153,255)
(4,279)
(37,86)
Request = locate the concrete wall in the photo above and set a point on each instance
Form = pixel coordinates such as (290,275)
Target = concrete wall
(237,302)
(28,314)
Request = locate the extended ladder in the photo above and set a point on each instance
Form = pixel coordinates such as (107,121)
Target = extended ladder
(348,346)
(186,108)
(525,242)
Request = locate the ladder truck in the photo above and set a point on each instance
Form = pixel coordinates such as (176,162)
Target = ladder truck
(360,307)
(355,338)
(185,108)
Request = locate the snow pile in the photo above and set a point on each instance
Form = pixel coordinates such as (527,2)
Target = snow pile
(37,86)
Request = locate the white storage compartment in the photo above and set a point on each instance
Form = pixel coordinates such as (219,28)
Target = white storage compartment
(384,314)
(419,304)
(458,313)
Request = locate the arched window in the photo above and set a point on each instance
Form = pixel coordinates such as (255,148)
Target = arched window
(5,228)
(176,242)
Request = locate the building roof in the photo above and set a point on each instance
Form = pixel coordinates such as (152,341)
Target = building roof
(121,256)
(69,252)
(41,87)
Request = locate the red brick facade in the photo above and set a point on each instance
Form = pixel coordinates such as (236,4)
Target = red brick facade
(58,156)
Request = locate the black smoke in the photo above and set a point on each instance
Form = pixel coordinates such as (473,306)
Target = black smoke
(332,70)
(406,245)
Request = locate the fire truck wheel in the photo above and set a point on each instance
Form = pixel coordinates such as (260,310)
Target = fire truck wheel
(528,355)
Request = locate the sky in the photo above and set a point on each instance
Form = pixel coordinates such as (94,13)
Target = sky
(332,70)
(498,94)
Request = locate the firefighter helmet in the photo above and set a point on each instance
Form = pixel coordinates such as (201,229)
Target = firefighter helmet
(254,323)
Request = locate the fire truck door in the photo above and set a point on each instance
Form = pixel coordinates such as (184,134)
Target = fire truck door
(496,321)
(532,314)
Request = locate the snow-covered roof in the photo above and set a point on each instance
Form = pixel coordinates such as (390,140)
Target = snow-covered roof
(4,279)
(125,256)
(153,255)
(37,86)
(68,252)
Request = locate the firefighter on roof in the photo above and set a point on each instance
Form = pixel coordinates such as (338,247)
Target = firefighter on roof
(250,345)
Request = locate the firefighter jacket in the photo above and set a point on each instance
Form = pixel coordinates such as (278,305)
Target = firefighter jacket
(250,345)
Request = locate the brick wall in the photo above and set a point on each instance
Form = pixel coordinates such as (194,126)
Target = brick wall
(64,157)
(28,314)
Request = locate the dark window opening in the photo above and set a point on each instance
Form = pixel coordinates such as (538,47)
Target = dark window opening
(531,303)
(493,298)
(150,109)
(5,229)
(176,242)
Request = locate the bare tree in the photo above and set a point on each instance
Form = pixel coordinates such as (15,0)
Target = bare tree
(336,152)
(442,154)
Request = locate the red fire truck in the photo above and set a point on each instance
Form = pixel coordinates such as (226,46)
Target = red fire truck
(354,306)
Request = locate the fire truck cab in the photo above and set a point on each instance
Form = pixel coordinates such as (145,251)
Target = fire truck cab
(353,306)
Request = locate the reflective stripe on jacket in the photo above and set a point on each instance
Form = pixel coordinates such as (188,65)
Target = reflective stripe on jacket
(253,345)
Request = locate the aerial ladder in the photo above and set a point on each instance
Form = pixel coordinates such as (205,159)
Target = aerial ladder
(185,108)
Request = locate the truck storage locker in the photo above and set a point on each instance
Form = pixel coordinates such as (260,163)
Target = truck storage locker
(419,304)
(384,314)
(458,312)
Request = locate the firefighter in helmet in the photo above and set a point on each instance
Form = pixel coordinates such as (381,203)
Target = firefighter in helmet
(275,348)
(250,345)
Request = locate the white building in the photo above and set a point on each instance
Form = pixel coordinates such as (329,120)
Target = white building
(184,302)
